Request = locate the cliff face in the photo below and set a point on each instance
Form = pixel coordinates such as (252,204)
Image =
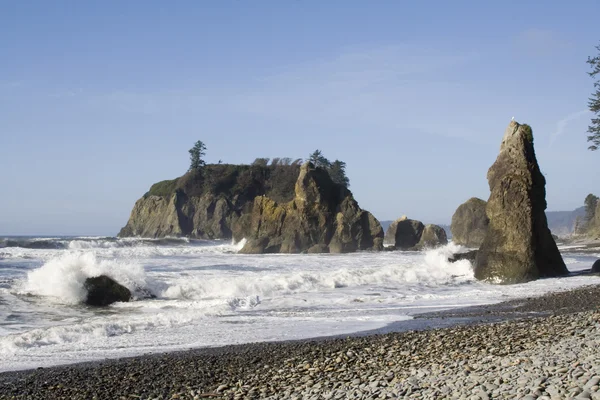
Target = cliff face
(517,246)
(213,205)
(322,217)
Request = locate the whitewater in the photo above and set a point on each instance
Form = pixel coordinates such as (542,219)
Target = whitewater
(205,294)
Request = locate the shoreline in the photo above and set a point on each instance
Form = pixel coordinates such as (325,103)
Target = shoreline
(215,371)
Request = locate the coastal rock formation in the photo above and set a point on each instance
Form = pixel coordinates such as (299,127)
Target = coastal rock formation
(404,233)
(410,234)
(322,217)
(432,236)
(470,223)
(518,246)
(596,266)
(103,290)
(214,204)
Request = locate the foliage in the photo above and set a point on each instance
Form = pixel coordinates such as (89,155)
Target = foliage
(594,103)
(337,172)
(318,160)
(196,154)
(261,162)
(163,188)
(590,202)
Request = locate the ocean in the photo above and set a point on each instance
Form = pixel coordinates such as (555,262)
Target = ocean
(205,294)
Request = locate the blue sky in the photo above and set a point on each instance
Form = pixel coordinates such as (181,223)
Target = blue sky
(98,100)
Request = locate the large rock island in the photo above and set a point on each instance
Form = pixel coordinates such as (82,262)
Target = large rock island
(283,208)
(518,245)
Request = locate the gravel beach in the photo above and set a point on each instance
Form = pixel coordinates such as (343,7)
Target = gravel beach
(540,348)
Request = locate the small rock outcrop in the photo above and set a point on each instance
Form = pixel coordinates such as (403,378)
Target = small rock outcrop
(518,246)
(469,255)
(432,236)
(470,223)
(322,217)
(410,234)
(596,267)
(103,290)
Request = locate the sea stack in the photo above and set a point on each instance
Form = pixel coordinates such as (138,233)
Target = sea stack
(323,217)
(518,246)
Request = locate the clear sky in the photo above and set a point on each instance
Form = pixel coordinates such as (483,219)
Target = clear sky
(100,99)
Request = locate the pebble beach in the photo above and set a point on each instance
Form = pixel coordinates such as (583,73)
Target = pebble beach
(538,348)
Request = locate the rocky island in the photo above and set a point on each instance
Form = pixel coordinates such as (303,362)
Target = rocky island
(278,208)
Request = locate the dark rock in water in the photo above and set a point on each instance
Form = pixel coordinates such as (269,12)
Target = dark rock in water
(470,223)
(389,248)
(103,290)
(596,266)
(321,215)
(469,255)
(432,236)
(518,246)
(404,233)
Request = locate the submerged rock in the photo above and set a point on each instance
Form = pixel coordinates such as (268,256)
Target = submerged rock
(103,290)
(470,223)
(469,255)
(518,246)
(322,217)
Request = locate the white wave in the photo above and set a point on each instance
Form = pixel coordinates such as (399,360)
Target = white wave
(92,244)
(433,269)
(62,278)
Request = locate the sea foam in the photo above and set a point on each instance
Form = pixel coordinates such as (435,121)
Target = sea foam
(62,278)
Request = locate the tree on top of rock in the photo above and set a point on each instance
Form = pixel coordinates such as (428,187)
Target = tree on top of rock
(319,160)
(337,172)
(594,103)
(196,154)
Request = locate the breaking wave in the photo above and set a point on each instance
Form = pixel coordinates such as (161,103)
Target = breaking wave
(62,278)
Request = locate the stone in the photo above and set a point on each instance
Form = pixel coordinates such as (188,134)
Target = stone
(103,290)
(596,266)
(469,255)
(323,217)
(518,246)
(432,236)
(404,233)
(470,223)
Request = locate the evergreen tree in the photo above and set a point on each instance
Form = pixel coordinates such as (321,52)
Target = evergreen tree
(594,103)
(337,172)
(319,160)
(196,154)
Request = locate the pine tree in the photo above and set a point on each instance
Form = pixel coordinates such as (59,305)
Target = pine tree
(318,160)
(337,172)
(594,103)
(196,154)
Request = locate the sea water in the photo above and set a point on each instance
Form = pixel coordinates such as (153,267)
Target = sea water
(205,294)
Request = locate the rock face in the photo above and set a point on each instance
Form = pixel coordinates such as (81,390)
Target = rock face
(215,204)
(470,223)
(410,234)
(103,290)
(322,217)
(432,236)
(518,246)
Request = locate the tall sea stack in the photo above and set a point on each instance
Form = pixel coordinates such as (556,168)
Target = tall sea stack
(518,246)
